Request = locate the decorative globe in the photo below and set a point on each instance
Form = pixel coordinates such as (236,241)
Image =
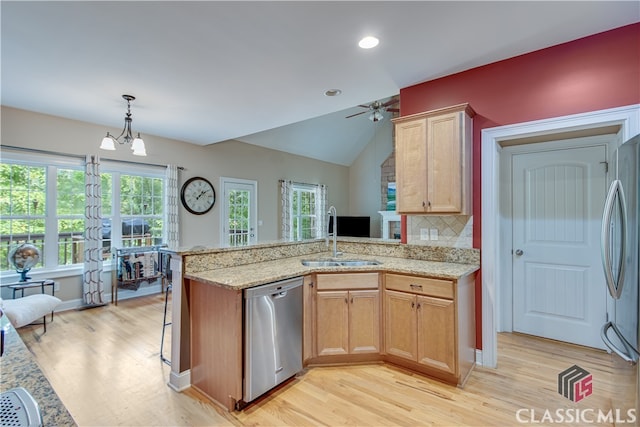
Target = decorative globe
(23,258)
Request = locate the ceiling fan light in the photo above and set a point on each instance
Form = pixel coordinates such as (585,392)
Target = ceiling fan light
(376,116)
(107,143)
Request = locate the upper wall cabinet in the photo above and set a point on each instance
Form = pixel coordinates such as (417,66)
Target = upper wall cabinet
(433,161)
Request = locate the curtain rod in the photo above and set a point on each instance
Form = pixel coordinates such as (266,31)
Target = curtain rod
(78,156)
(297,182)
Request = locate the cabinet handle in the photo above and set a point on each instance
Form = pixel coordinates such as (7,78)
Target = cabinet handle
(423,204)
(346,301)
(414,286)
(413,304)
(311,284)
(418,306)
(351,300)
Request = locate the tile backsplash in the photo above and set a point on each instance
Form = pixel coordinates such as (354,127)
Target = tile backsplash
(452,230)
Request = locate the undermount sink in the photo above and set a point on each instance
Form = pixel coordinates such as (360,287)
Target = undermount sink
(338,263)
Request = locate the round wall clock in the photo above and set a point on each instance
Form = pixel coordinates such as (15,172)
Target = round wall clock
(198,195)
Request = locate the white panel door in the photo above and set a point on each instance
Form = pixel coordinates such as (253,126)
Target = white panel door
(558,283)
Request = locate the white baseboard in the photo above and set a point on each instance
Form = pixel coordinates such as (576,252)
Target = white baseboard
(180,382)
(479,357)
(74,304)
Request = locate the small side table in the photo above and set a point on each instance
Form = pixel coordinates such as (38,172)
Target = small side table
(21,286)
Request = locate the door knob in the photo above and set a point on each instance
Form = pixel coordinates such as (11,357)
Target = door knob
(519,252)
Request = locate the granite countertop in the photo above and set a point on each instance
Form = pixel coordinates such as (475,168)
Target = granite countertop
(249,275)
(19,369)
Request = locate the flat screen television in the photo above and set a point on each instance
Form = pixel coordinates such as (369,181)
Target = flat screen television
(352,226)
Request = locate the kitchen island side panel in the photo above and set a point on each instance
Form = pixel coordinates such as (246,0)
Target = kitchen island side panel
(216,342)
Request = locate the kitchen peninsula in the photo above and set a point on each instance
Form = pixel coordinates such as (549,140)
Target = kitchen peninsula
(414,309)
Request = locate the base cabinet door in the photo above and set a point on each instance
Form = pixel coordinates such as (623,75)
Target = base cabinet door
(436,333)
(347,322)
(332,322)
(364,321)
(400,324)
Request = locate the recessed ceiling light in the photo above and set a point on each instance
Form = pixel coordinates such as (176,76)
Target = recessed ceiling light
(368,42)
(333,92)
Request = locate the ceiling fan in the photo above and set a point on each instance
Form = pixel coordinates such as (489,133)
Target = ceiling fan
(375,109)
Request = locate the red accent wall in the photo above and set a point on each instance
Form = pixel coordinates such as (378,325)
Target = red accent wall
(593,73)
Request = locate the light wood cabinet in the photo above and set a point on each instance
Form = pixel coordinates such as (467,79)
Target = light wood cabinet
(347,320)
(429,323)
(436,333)
(308,316)
(421,329)
(433,161)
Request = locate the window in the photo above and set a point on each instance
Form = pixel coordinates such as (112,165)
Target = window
(23,207)
(304,208)
(239,207)
(138,208)
(42,202)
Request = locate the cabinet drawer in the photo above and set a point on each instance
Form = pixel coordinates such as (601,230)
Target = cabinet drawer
(347,281)
(420,285)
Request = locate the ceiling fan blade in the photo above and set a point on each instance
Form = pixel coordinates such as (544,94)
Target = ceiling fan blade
(392,110)
(365,106)
(356,114)
(390,102)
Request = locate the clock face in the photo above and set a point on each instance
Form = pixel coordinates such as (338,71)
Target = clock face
(198,195)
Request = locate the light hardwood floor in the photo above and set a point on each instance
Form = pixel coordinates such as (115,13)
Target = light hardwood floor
(104,364)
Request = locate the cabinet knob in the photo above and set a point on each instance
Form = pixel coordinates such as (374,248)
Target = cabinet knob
(413,304)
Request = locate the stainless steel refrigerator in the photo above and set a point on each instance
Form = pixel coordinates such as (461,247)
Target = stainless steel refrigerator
(620,258)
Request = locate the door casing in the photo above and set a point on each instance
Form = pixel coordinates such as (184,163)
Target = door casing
(492,247)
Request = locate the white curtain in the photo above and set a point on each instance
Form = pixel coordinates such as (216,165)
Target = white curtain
(93,286)
(322,215)
(172,236)
(285,195)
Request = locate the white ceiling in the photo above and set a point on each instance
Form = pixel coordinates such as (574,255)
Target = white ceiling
(210,71)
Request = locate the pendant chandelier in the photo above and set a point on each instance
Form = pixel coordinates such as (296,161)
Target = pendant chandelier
(137,144)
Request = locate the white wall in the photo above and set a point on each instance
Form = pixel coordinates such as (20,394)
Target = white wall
(364,175)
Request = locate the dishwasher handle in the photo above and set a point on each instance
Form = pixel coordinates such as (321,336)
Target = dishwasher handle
(279,295)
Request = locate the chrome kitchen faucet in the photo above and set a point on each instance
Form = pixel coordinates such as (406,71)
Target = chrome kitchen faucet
(332,212)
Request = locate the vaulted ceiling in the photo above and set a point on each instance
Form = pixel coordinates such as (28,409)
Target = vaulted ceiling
(210,71)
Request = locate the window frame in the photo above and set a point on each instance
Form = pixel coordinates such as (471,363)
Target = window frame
(52,163)
(299,188)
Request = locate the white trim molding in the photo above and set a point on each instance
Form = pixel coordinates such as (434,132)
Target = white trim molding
(180,381)
(627,117)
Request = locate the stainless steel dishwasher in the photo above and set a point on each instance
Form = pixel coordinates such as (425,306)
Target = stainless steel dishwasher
(273,335)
